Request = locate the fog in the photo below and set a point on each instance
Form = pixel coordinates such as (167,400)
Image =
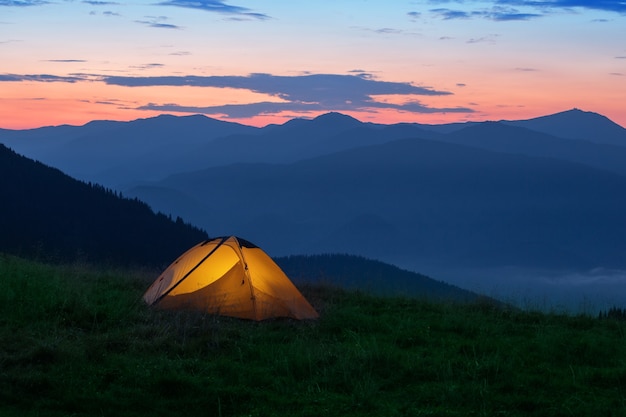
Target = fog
(571,292)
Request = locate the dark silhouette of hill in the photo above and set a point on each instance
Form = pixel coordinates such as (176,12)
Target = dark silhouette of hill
(420,200)
(357,272)
(50,216)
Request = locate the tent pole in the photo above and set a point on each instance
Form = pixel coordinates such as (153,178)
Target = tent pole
(247,273)
(191,270)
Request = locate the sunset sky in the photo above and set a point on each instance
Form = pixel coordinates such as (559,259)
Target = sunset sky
(260,62)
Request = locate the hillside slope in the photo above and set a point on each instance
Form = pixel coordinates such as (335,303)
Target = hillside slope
(48,215)
(78,342)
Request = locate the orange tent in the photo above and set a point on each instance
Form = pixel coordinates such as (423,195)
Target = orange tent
(229,276)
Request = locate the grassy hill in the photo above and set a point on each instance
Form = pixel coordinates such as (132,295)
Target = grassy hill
(80,342)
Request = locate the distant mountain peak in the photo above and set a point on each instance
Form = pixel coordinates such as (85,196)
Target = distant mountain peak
(576,124)
(576,110)
(332,121)
(336,117)
(574,113)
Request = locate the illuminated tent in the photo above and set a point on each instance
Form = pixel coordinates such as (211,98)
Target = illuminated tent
(230,277)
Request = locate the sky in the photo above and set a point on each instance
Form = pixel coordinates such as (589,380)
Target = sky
(260,62)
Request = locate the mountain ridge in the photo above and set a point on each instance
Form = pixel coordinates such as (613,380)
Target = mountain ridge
(422,184)
(118,154)
(577,124)
(452,197)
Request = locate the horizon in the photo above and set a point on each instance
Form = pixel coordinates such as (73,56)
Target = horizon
(294,118)
(260,63)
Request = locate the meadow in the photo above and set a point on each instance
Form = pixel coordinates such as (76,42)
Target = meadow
(77,340)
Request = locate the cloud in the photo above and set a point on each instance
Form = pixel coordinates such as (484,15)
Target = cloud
(47,78)
(305,93)
(157,22)
(366,75)
(414,15)
(237,111)
(65,60)
(323,88)
(217,7)
(503,15)
(107,14)
(385,31)
(484,39)
(448,14)
(506,10)
(301,93)
(100,3)
(301,88)
(618,6)
(22,3)
(498,14)
(148,66)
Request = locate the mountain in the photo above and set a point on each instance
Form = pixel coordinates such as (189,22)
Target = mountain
(117,154)
(577,124)
(112,153)
(297,140)
(461,201)
(89,223)
(416,200)
(120,155)
(48,215)
(509,138)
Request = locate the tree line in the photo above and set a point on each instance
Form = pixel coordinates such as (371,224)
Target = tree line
(613,313)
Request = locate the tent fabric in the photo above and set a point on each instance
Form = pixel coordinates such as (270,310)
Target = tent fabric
(229,276)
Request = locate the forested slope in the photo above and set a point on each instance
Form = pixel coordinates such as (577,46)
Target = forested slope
(48,215)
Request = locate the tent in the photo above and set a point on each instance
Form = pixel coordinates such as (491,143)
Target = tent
(229,276)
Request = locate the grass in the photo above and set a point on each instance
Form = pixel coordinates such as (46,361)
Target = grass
(78,341)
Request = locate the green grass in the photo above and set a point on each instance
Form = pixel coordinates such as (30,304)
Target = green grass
(76,341)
